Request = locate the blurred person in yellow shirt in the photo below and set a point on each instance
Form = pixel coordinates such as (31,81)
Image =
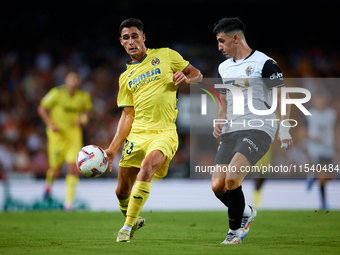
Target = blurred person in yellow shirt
(64,109)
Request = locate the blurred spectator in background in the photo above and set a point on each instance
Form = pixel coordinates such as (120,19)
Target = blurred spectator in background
(321,144)
(64,109)
(266,162)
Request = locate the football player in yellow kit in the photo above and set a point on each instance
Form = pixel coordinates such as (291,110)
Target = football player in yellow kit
(64,109)
(148,95)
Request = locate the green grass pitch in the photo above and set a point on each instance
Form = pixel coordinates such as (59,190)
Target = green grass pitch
(272,232)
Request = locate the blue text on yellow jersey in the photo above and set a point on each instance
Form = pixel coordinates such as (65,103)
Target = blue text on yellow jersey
(147,86)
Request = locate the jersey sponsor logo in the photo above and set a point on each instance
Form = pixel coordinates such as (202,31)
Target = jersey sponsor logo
(70,109)
(144,78)
(155,61)
(252,144)
(276,76)
(249,70)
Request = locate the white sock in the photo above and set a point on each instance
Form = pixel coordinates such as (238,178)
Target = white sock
(126,227)
(247,211)
(236,232)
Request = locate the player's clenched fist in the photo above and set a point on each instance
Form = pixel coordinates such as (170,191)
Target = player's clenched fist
(179,77)
(217,130)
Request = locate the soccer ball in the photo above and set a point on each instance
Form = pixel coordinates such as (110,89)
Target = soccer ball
(92,161)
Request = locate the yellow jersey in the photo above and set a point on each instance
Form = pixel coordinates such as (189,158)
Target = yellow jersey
(66,109)
(147,86)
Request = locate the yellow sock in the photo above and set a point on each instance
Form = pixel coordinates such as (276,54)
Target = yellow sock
(49,177)
(71,182)
(257,198)
(48,183)
(139,195)
(123,205)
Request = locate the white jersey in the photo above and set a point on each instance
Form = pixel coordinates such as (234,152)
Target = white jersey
(249,73)
(321,125)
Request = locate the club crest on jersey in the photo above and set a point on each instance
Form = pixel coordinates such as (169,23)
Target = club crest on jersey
(155,61)
(249,70)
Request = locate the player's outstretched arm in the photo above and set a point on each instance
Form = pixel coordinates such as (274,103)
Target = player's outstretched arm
(284,137)
(123,129)
(189,75)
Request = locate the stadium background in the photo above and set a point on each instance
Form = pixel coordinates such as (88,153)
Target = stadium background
(40,40)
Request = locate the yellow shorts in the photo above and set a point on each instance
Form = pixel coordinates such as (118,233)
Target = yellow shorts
(139,144)
(63,147)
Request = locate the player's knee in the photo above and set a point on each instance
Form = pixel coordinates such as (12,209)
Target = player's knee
(146,166)
(145,175)
(121,193)
(72,169)
(53,172)
(218,186)
(153,161)
(232,183)
(147,170)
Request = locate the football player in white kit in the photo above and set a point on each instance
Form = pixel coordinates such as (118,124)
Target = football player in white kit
(321,145)
(243,142)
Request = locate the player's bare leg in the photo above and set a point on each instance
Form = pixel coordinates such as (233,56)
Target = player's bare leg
(234,179)
(234,183)
(257,196)
(322,182)
(150,165)
(126,178)
(240,216)
(51,175)
(218,185)
(71,182)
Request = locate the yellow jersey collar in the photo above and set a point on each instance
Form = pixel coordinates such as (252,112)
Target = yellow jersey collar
(140,61)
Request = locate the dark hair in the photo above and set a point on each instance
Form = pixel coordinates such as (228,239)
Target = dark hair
(75,71)
(227,25)
(131,22)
